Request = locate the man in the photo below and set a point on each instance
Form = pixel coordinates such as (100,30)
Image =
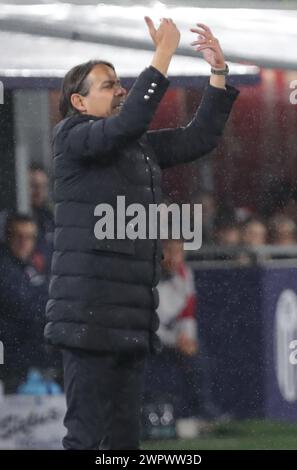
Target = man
(283,231)
(23,295)
(43,216)
(181,373)
(177,305)
(253,233)
(103,300)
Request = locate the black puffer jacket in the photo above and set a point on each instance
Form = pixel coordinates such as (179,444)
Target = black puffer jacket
(102,292)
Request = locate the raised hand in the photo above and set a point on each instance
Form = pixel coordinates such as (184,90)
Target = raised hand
(166,36)
(209,46)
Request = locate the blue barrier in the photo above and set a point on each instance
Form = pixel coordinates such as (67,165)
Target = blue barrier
(248,320)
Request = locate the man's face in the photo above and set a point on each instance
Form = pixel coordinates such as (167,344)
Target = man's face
(254,234)
(22,239)
(229,236)
(39,187)
(105,96)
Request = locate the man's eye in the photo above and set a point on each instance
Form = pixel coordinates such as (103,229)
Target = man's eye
(112,85)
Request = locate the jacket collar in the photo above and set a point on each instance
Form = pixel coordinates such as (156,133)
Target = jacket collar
(71,121)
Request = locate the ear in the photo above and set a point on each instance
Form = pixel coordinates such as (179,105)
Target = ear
(77,102)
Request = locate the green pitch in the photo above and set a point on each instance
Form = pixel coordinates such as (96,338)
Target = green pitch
(241,435)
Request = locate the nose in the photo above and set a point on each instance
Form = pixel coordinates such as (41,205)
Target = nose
(120,91)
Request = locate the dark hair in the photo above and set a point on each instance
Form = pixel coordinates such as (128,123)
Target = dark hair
(16,218)
(75,81)
(36,167)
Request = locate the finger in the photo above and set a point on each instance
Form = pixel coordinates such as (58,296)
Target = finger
(199,42)
(203,26)
(207,46)
(200,38)
(171,21)
(201,32)
(212,41)
(150,25)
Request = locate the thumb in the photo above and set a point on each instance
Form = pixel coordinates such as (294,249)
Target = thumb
(150,25)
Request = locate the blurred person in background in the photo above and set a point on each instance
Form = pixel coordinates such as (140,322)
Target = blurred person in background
(177,300)
(253,233)
(226,228)
(227,234)
(43,215)
(23,295)
(182,362)
(283,231)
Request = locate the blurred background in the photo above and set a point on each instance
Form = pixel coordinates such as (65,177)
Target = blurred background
(237,386)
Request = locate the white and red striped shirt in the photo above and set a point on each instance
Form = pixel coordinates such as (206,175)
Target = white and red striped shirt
(177,307)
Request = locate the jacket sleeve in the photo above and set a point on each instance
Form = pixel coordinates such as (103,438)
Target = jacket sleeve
(201,135)
(96,138)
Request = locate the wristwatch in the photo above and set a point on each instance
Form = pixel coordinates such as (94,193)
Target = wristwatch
(224,71)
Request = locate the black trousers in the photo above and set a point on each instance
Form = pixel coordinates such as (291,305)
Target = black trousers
(103,395)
